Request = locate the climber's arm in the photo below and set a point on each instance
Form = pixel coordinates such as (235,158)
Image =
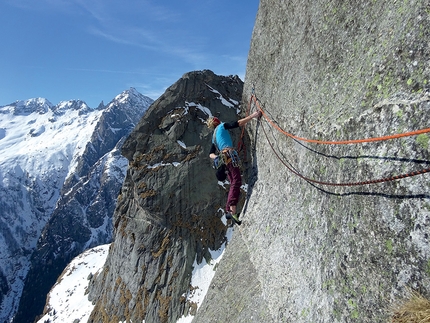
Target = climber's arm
(245,120)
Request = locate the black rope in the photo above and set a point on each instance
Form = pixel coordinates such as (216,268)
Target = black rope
(375,181)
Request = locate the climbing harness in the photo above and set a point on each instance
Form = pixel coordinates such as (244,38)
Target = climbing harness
(295,172)
(226,156)
(230,155)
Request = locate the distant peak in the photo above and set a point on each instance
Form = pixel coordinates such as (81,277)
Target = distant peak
(38,101)
(26,107)
(130,95)
(129,100)
(127,93)
(101,106)
(133,91)
(71,105)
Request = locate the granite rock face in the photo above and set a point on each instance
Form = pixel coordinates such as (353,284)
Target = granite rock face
(336,70)
(168,214)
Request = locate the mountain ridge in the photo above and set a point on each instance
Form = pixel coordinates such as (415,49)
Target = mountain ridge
(42,147)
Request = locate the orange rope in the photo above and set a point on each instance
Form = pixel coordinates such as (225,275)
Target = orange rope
(372,181)
(344,142)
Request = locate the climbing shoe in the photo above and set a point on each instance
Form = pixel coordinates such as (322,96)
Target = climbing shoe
(235,217)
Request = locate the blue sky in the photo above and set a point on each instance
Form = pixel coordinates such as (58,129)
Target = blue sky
(94,49)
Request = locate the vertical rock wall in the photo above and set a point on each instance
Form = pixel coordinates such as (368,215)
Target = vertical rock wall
(338,70)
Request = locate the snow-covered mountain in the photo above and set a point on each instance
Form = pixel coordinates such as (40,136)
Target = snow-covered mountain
(48,154)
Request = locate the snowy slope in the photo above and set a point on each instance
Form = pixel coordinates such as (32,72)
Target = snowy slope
(44,141)
(67,300)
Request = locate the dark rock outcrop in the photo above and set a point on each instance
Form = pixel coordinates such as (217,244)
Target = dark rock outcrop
(167,214)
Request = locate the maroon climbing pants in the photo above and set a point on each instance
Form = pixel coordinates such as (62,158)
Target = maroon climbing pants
(235,180)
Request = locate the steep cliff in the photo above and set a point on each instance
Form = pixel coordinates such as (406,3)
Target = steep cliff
(169,213)
(333,70)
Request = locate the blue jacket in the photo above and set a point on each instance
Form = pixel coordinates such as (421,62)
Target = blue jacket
(221,137)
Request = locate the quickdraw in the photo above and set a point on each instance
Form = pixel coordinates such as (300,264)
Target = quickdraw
(230,156)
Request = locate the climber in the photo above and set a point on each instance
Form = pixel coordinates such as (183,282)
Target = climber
(222,148)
